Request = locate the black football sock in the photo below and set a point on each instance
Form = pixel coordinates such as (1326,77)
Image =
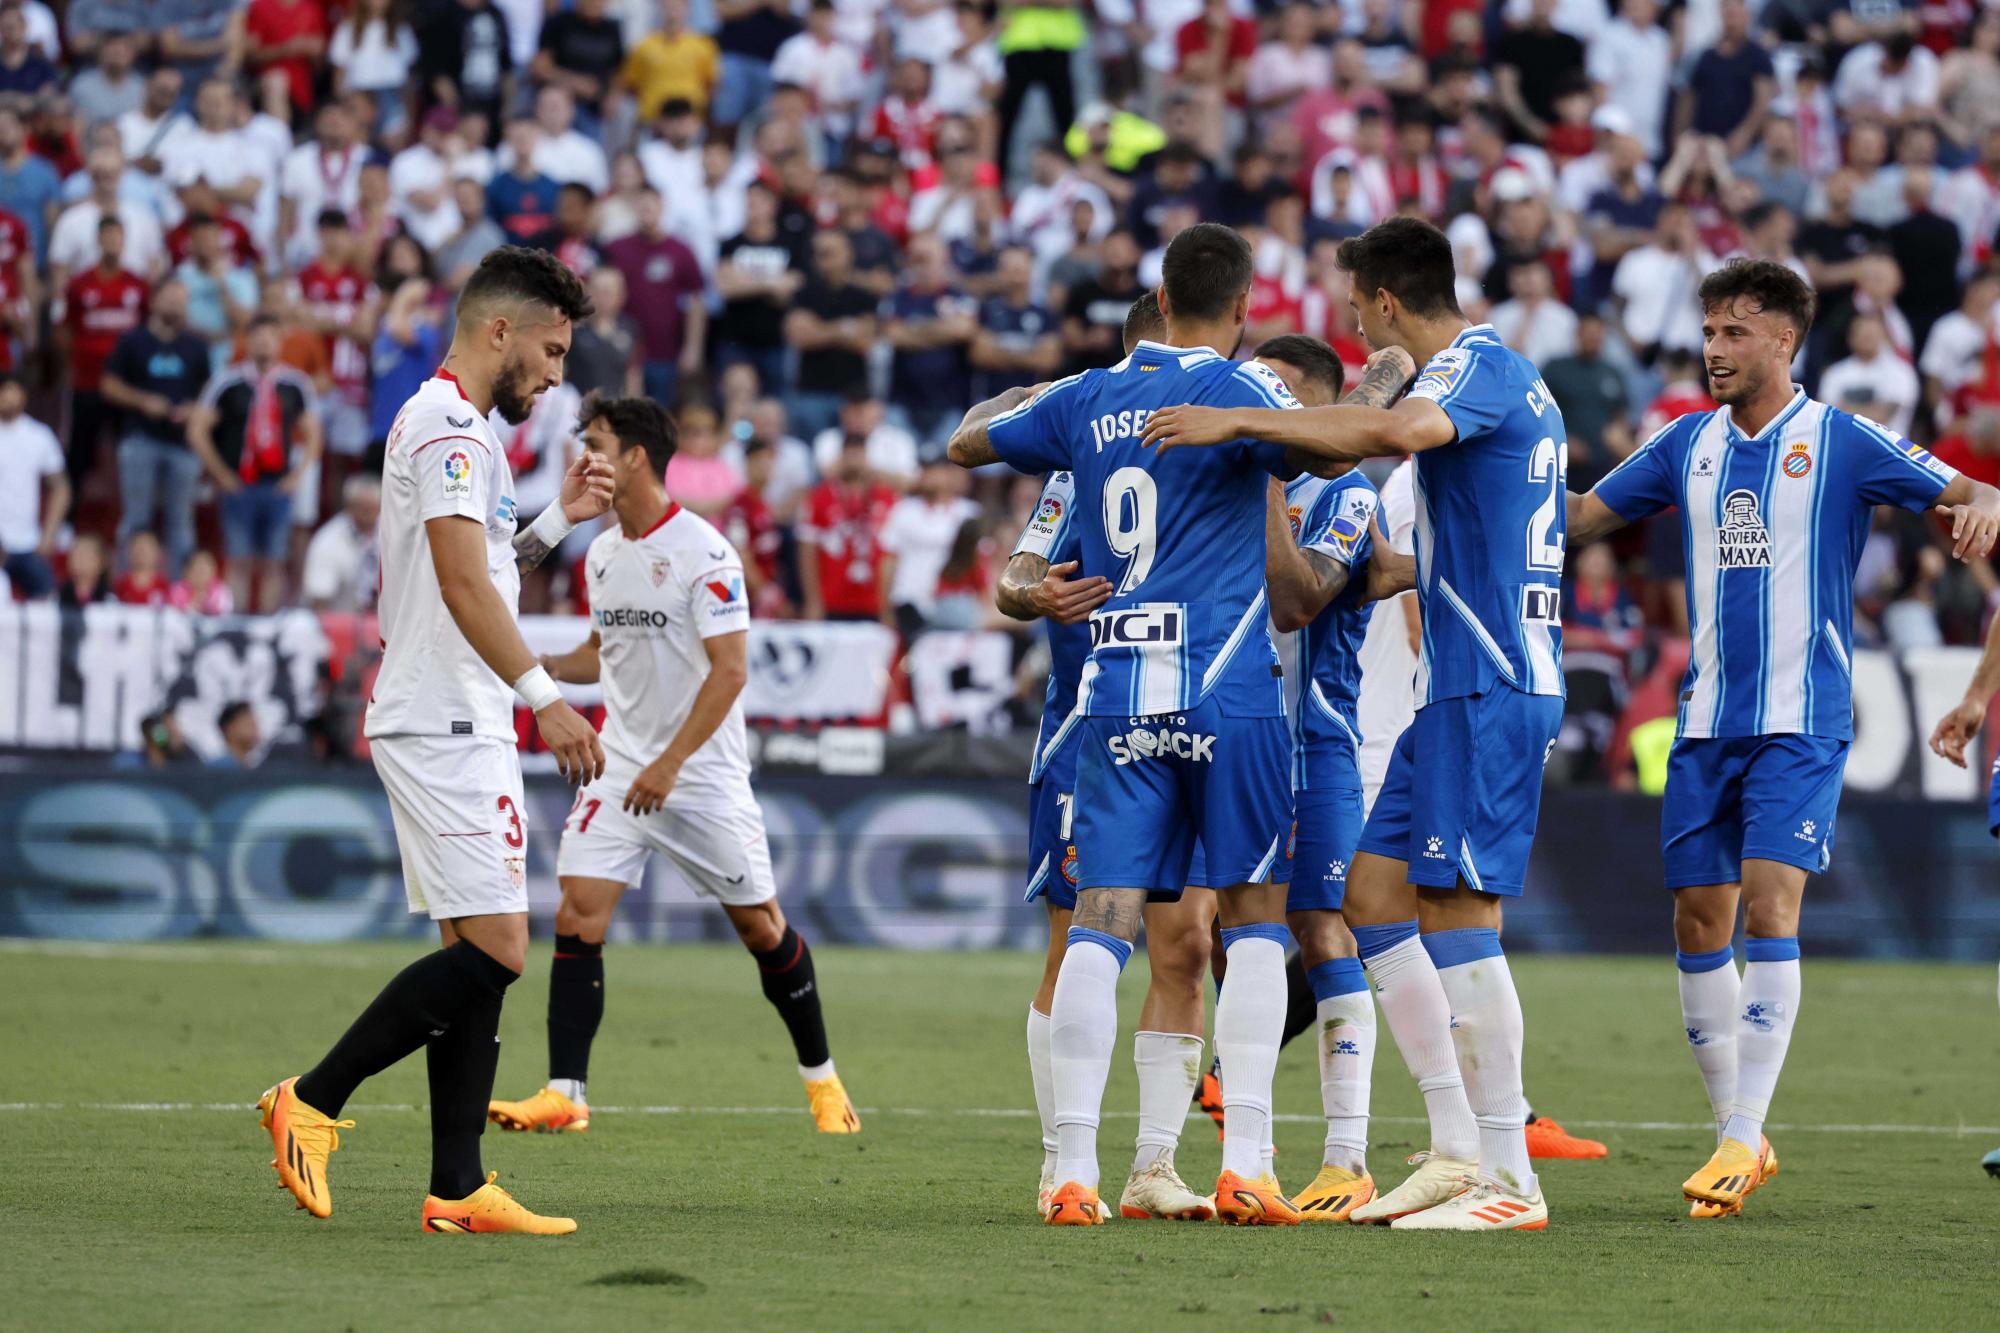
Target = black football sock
(421,1001)
(1301,1009)
(576,1005)
(463,1061)
(787,974)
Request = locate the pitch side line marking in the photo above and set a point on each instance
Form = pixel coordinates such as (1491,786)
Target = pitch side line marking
(1010,1113)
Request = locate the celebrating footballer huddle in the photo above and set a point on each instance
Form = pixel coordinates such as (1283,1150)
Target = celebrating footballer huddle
(1247,746)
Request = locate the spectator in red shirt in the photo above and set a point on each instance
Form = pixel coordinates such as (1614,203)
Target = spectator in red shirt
(336,299)
(752,528)
(1974,447)
(1685,391)
(101,305)
(288,35)
(18,288)
(667,295)
(144,582)
(204,205)
(840,548)
(1215,53)
(906,117)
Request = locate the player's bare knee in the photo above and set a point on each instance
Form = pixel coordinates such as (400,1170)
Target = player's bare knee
(1704,917)
(761,928)
(1378,891)
(1179,959)
(1457,908)
(1322,937)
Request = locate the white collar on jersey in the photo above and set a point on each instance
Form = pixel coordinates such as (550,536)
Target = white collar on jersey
(1771,427)
(1168,349)
(1475,333)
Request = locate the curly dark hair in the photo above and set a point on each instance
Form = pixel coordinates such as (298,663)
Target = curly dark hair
(1408,258)
(639,423)
(1319,361)
(1770,286)
(515,275)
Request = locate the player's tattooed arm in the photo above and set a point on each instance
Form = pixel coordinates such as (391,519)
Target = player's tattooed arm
(1116,912)
(1346,432)
(1589,520)
(969,445)
(586,493)
(1388,373)
(1033,589)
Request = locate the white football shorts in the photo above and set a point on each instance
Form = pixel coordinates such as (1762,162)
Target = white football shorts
(461,822)
(718,844)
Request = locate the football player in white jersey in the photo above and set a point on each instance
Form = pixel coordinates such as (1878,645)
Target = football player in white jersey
(441,729)
(669,642)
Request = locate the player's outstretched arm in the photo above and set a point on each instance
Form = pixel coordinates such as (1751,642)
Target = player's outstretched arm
(969,445)
(1590,519)
(458,552)
(728,671)
(1344,433)
(586,493)
(1033,589)
(579,666)
(1974,510)
(1956,729)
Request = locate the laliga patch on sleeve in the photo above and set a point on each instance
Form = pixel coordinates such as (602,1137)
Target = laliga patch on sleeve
(1272,381)
(1930,462)
(457,467)
(1346,532)
(1441,373)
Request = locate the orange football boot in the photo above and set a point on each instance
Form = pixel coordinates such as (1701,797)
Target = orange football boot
(303,1139)
(1252,1203)
(1074,1205)
(490,1210)
(1547,1139)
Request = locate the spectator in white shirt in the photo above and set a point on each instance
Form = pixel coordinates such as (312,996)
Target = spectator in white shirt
(374,52)
(1043,216)
(892,451)
(1654,287)
(968,81)
(1955,349)
(1631,60)
(917,539)
(563,154)
(215,152)
(1533,322)
(1285,69)
(318,176)
(830,70)
(34,493)
(1872,382)
(342,563)
(149,133)
(73,242)
(1893,79)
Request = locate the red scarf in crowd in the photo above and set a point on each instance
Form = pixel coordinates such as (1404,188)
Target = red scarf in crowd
(264,435)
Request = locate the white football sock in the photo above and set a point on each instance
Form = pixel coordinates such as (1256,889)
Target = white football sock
(1169,1066)
(1419,1017)
(1709,984)
(1249,1024)
(1768,1007)
(814,1073)
(571,1088)
(1346,1063)
(1083,1028)
(1488,1032)
(1045,1084)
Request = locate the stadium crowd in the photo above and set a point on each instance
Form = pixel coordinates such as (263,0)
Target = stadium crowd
(230,236)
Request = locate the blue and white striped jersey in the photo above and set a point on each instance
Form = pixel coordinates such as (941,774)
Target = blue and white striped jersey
(1180,534)
(1773,527)
(1330,517)
(1051,534)
(1491,523)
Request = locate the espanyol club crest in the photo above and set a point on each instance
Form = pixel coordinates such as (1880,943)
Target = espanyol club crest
(1069,865)
(1293,515)
(1798,462)
(659,572)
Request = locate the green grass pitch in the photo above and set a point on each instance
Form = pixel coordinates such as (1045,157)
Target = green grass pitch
(710,1217)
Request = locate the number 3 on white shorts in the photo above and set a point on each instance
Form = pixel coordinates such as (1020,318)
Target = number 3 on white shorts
(1129,530)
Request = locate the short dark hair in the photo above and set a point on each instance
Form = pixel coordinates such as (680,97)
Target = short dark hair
(1205,269)
(517,275)
(1320,362)
(639,423)
(1144,320)
(1408,258)
(331,219)
(110,220)
(1769,285)
(230,712)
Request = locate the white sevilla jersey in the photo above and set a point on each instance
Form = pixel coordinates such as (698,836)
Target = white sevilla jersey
(442,458)
(653,599)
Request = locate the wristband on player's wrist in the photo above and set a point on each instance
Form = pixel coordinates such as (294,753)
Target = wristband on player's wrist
(537,689)
(552,526)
